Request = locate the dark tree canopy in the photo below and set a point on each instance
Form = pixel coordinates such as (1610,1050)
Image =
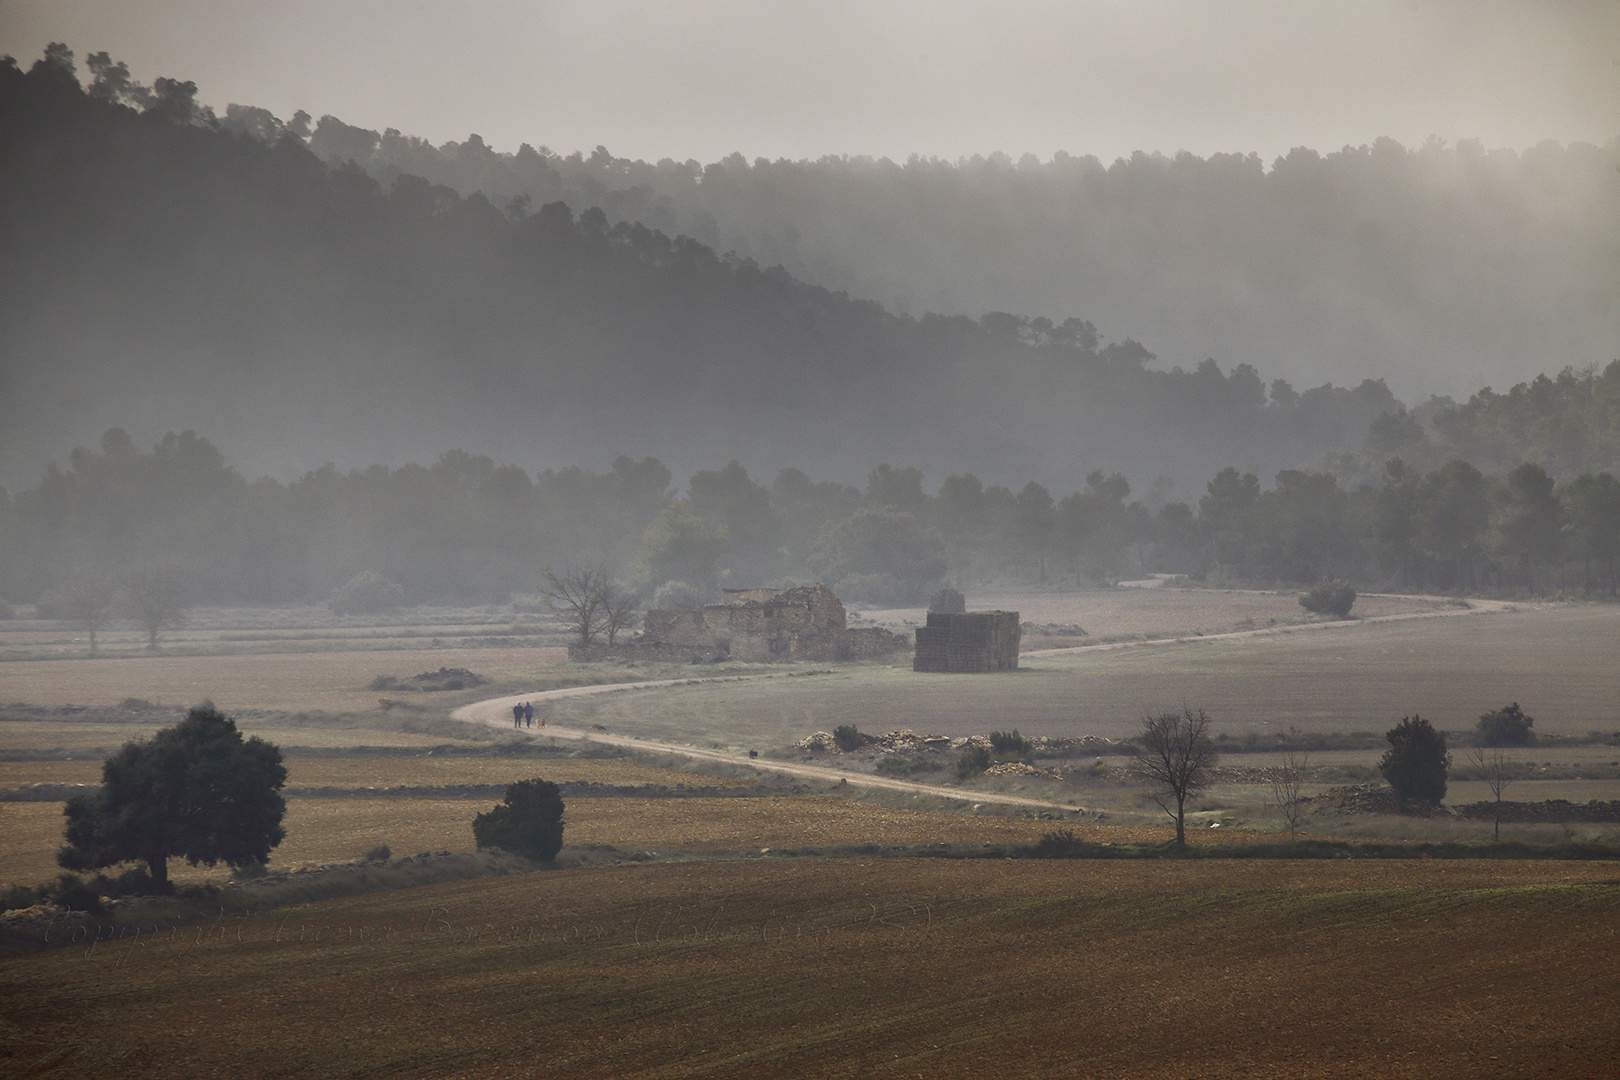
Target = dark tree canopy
(1416,763)
(1177,754)
(1507,726)
(198,791)
(528,822)
(1330,598)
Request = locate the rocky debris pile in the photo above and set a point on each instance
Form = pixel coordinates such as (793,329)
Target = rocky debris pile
(1371,799)
(1548,810)
(1020,768)
(895,742)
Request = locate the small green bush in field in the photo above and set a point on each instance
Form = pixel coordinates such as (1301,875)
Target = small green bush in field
(974,760)
(947,601)
(528,822)
(380,853)
(1507,726)
(848,737)
(1330,598)
(1011,746)
(1416,763)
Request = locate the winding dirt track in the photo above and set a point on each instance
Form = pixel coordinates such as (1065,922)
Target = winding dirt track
(497,712)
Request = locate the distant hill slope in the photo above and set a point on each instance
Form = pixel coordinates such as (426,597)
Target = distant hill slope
(161,271)
(1440,268)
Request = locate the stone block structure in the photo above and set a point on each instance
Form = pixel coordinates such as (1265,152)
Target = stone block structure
(968,642)
(755,626)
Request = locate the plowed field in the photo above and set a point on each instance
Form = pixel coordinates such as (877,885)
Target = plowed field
(859,968)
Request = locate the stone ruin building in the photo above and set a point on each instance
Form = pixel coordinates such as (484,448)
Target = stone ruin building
(754,626)
(968,642)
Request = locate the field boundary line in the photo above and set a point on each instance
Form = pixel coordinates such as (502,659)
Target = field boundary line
(1477,607)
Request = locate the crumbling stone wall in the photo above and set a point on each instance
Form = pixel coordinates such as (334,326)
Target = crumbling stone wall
(968,642)
(757,626)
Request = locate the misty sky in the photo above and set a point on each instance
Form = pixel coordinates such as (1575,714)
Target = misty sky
(709,77)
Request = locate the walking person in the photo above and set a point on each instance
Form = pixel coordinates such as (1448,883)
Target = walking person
(517,715)
(528,714)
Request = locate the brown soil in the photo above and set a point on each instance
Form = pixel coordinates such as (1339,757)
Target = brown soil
(860,968)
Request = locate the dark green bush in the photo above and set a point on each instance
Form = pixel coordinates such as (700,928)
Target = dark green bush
(974,760)
(1507,726)
(848,737)
(1011,746)
(73,893)
(947,601)
(1330,598)
(380,853)
(528,822)
(1416,762)
(20,896)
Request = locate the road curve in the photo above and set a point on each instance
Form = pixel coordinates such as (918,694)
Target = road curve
(497,712)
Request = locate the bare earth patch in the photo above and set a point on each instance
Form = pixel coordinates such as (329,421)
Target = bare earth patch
(863,968)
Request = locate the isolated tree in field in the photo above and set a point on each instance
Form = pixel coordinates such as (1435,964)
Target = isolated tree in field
(947,601)
(198,791)
(587,601)
(158,598)
(1498,772)
(88,599)
(1330,598)
(1177,754)
(1507,726)
(1288,783)
(1416,762)
(528,821)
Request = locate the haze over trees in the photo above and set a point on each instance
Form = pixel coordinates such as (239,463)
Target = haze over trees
(1443,263)
(215,273)
(465,529)
(215,270)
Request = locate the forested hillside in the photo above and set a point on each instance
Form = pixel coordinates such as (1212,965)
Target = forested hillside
(167,270)
(163,272)
(1439,268)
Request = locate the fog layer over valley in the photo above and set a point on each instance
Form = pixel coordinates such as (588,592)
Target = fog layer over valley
(1437,268)
(167,270)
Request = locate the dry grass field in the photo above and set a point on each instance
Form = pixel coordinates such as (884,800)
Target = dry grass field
(283,682)
(369,771)
(1120,613)
(811,968)
(325,830)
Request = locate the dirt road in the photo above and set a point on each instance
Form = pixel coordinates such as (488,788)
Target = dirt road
(497,712)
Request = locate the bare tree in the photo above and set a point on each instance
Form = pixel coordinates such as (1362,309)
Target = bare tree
(87,598)
(1497,772)
(588,602)
(621,610)
(1288,783)
(1177,754)
(158,598)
